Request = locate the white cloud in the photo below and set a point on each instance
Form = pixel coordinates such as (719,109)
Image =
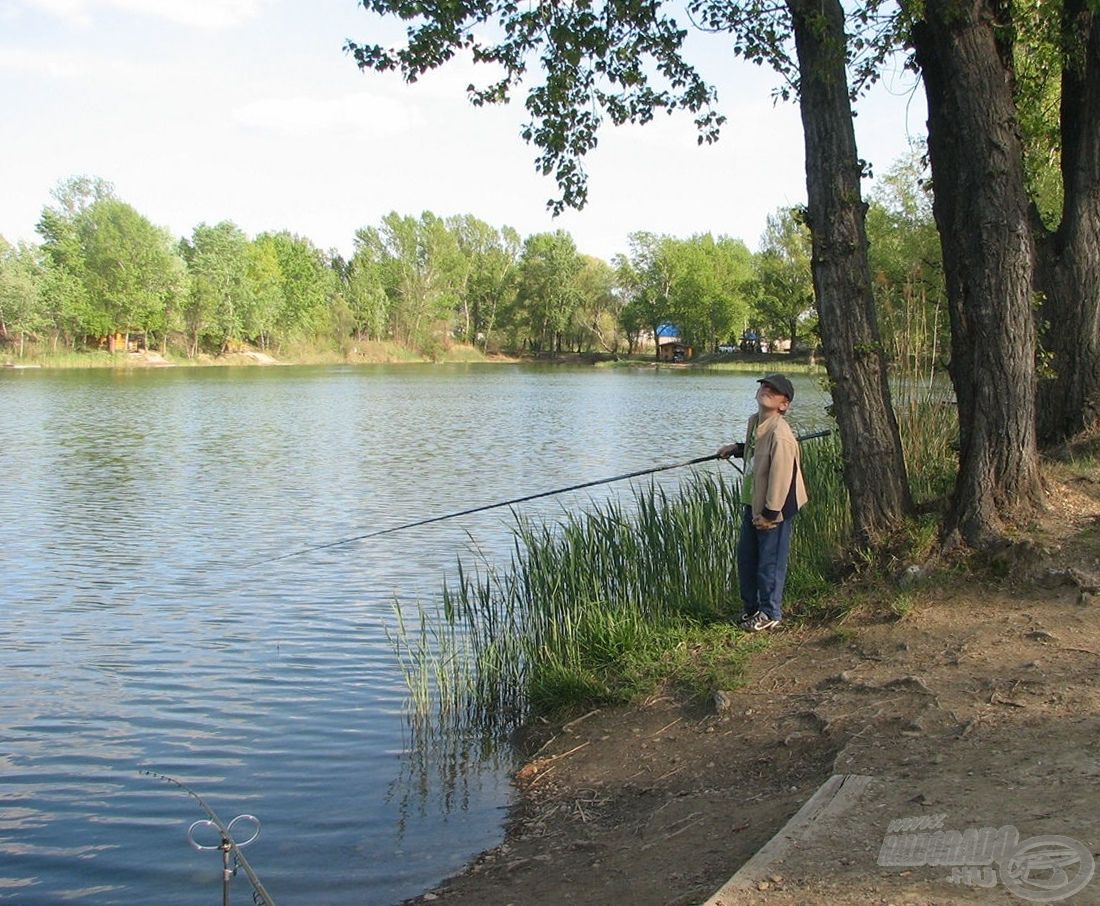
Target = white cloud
(39,63)
(51,64)
(196,13)
(58,7)
(74,12)
(449,81)
(199,13)
(361,112)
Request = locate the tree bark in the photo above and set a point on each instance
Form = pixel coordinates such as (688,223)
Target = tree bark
(982,214)
(1070,274)
(874,466)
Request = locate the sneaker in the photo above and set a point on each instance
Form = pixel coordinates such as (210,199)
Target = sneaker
(759,622)
(746,618)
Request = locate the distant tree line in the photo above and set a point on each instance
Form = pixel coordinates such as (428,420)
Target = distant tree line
(103,274)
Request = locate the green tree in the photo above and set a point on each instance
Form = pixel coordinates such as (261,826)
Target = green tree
(424,270)
(596,318)
(73,196)
(547,295)
(646,278)
(365,287)
(307,285)
(217,261)
(783,286)
(263,300)
(68,303)
(131,267)
(67,306)
(1038,56)
(21,311)
(488,275)
(906,264)
(1007,228)
(494,282)
(699,284)
(633,319)
(709,282)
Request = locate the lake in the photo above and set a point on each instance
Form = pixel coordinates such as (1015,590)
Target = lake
(136,635)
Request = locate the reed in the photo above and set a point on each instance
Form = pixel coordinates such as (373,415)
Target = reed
(604,605)
(924,403)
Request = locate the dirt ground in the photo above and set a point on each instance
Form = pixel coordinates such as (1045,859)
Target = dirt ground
(981,704)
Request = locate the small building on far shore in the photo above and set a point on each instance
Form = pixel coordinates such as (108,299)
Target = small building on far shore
(670,347)
(672,350)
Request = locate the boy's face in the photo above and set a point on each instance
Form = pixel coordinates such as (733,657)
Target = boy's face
(771,400)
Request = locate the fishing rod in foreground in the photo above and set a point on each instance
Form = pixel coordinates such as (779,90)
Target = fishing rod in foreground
(503,503)
(226,845)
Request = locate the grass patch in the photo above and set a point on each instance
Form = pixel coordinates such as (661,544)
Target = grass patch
(93,358)
(902,605)
(619,666)
(700,659)
(462,353)
(1079,454)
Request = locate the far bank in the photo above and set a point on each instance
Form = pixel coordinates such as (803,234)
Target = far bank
(390,353)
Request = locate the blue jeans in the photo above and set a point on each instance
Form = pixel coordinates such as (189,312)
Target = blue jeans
(762,557)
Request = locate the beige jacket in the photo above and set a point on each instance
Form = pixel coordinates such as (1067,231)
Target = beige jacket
(776,461)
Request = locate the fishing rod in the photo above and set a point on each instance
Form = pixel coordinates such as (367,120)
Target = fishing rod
(226,846)
(503,503)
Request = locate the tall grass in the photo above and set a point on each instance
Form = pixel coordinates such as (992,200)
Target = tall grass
(929,425)
(603,605)
(924,402)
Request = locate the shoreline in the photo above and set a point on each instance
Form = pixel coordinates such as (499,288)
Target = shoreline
(143,359)
(985,684)
(394,355)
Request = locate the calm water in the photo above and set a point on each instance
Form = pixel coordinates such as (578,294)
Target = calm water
(132,637)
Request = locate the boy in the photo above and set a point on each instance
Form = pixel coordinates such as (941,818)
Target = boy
(772,493)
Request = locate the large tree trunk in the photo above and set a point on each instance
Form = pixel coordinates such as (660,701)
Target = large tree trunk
(874,466)
(981,210)
(1070,276)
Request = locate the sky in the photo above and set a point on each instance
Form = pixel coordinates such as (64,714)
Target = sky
(250,111)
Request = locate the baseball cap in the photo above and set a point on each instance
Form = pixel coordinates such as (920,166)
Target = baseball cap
(779,382)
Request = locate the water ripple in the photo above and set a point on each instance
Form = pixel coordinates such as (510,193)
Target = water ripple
(134,633)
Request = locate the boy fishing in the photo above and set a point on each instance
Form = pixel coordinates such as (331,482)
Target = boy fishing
(772,493)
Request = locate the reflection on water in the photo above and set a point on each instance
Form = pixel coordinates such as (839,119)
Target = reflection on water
(132,638)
